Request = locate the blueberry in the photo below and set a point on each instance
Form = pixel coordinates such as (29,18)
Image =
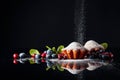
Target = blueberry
(105,57)
(100,56)
(22,55)
(48,56)
(101,50)
(49,52)
(37,56)
(91,57)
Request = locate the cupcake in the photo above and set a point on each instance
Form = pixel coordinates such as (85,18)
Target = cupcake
(74,51)
(92,45)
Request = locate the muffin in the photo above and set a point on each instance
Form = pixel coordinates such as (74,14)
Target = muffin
(74,51)
(92,45)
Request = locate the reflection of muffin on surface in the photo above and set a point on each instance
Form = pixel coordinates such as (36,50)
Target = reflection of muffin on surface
(94,65)
(74,51)
(74,67)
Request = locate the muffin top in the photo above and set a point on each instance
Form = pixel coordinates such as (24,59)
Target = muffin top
(74,45)
(92,44)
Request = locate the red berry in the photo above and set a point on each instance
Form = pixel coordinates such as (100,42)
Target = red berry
(43,55)
(111,55)
(60,56)
(15,55)
(65,57)
(33,56)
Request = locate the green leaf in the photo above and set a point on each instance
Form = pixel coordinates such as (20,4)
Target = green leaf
(48,47)
(59,49)
(59,67)
(47,68)
(105,45)
(53,49)
(33,51)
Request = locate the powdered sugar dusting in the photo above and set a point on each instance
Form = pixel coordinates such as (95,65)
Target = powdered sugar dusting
(74,45)
(92,44)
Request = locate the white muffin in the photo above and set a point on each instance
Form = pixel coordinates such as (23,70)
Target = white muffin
(93,45)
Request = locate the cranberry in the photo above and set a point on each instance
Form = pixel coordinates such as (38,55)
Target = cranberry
(15,55)
(111,55)
(62,56)
(43,55)
(33,55)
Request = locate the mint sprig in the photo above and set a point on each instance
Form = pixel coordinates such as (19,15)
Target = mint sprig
(33,51)
(57,51)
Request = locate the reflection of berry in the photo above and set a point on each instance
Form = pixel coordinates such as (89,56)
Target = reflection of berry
(37,61)
(15,61)
(49,63)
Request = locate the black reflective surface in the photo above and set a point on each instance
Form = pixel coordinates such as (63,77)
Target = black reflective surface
(80,69)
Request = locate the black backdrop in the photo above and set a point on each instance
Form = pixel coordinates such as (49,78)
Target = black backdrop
(30,24)
(35,23)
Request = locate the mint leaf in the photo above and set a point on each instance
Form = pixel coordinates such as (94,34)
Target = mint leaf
(105,45)
(48,47)
(33,51)
(53,49)
(59,49)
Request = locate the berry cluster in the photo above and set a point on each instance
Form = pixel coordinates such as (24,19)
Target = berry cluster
(50,53)
(100,54)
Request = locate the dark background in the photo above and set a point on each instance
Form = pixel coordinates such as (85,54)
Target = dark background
(30,24)
(36,23)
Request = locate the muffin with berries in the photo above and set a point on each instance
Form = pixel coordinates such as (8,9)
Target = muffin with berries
(94,48)
(74,51)
(92,45)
